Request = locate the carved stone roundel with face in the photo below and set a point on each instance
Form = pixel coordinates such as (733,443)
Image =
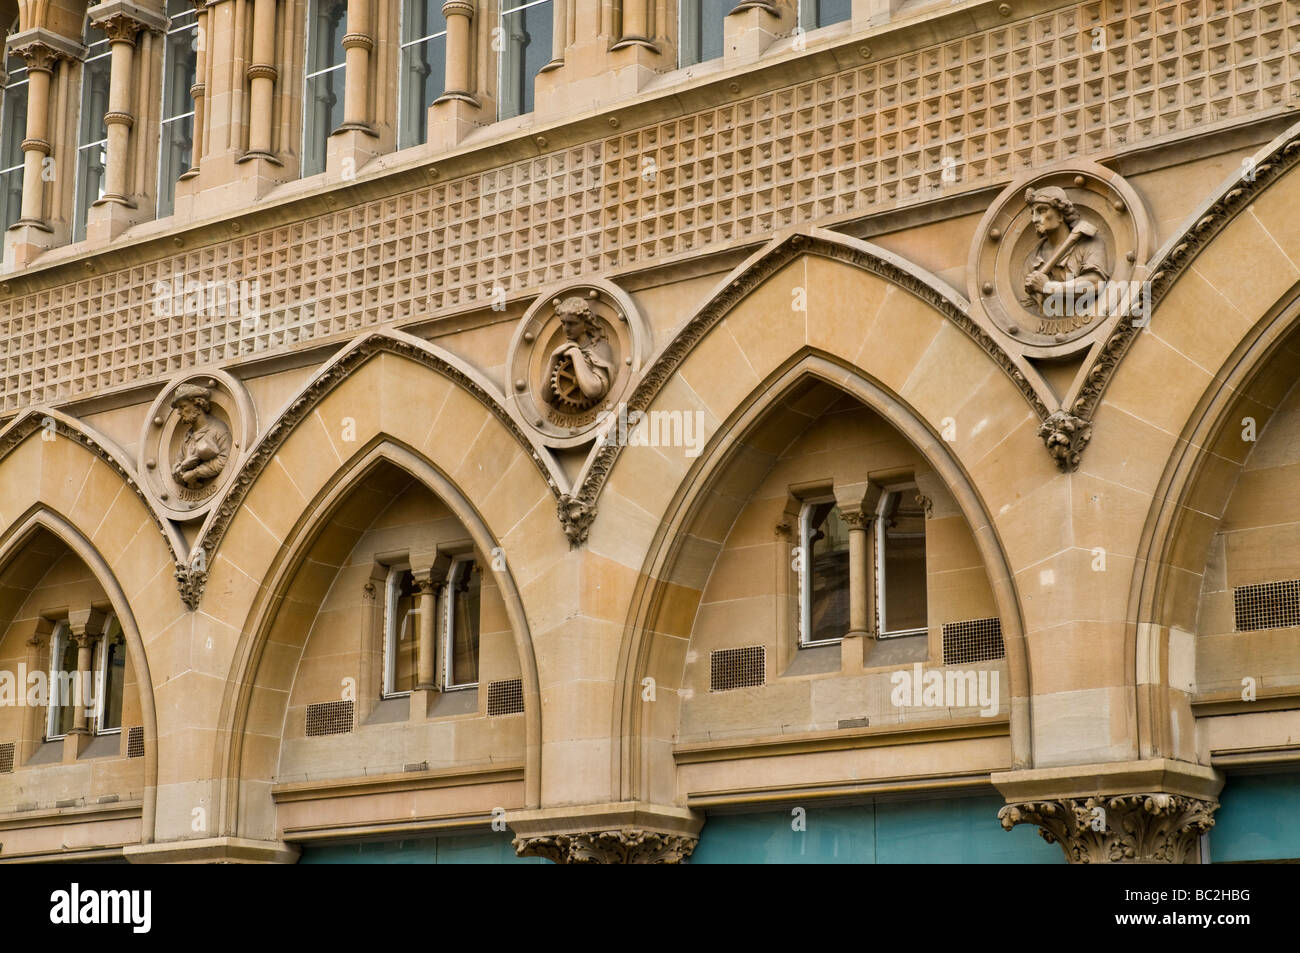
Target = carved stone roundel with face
(193,441)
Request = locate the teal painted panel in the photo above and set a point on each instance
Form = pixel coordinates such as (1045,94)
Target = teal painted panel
(956,831)
(833,836)
(474,849)
(949,830)
(1258,819)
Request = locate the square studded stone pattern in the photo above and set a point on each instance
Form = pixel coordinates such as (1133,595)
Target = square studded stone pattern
(135,742)
(6,757)
(976,640)
(329,718)
(1267,605)
(737,668)
(1092,78)
(505,698)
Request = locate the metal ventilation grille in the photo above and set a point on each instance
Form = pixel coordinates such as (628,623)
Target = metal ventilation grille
(135,742)
(737,668)
(506,698)
(329,718)
(6,757)
(1267,605)
(976,640)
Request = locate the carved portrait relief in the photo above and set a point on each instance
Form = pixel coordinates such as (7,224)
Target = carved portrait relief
(1058,256)
(192,441)
(575,355)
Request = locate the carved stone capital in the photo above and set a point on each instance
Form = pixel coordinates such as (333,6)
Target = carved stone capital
(1150,828)
(926,504)
(857,518)
(1065,436)
(122,20)
(120,28)
(576,516)
(608,847)
(39,57)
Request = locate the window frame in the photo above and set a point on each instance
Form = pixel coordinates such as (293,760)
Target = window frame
(402,47)
(11,85)
(101,675)
(700,58)
(803,17)
(806,507)
(80,225)
(164,120)
(516,6)
(58,641)
(882,508)
(308,47)
(449,625)
(388,653)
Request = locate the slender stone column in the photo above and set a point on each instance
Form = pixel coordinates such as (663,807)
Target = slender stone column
(459,15)
(121,31)
(855,646)
(636,25)
(425,679)
(85,627)
(358,43)
(40,60)
(198,91)
(559,34)
(262,75)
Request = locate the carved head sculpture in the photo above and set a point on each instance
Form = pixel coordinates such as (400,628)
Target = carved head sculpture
(192,402)
(1051,208)
(575,314)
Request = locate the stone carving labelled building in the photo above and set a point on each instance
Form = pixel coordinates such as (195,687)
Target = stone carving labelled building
(507,432)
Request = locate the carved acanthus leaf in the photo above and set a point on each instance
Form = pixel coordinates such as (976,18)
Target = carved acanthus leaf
(1155,828)
(608,847)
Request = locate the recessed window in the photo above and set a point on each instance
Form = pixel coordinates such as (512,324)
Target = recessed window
(464,589)
(110,678)
(62,683)
(92,133)
(824,576)
(323,92)
(176,135)
(819,13)
(699,32)
(525,43)
(401,636)
(900,564)
(13,129)
(423,68)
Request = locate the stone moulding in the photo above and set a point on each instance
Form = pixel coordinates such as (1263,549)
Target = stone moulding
(750,275)
(36,418)
(608,847)
(1149,828)
(1177,255)
(325,381)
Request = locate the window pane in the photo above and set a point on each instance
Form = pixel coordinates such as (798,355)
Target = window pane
(92,131)
(466,591)
(62,687)
(175,149)
(700,30)
(401,633)
(827,549)
(903,525)
(323,92)
(11,196)
(422,18)
(13,129)
(91,163)
(526,39)
(817,13)
(114,645)
(424,71)
(176,137)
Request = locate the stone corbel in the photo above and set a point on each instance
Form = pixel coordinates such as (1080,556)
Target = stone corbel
(576,516)
(1140,812)
(623,833)
(1065,436)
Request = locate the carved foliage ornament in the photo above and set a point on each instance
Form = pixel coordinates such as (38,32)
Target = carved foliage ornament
(1126,829)
(608,847)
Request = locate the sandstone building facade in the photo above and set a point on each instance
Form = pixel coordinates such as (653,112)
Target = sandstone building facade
(650,430)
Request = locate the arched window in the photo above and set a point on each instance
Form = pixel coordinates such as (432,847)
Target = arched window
(423,68)
(524,39)
(62,688)
(13,129)
(176,135)
(819,13)
(401,639)
(699,30)
(92,133)
(323,90)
